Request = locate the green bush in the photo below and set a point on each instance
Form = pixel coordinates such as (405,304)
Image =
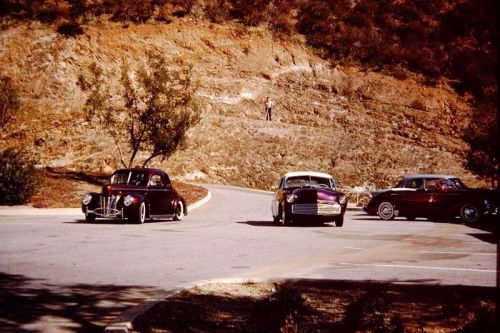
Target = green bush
(18,177)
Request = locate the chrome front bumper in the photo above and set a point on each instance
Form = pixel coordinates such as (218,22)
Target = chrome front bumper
(320,209)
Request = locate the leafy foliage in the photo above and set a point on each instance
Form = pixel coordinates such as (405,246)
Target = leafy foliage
(153,112)
(9,100)
(70,29)
(18,177)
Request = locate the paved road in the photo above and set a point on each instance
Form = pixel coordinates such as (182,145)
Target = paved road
(54,263)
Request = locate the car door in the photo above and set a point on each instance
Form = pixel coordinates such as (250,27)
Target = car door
(160,195)
(411,199)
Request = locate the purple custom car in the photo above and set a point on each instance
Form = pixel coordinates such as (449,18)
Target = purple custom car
(134,195)
(308,197)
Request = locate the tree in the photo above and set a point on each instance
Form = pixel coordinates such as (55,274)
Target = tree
(152,113)
(9,100)
(483,137)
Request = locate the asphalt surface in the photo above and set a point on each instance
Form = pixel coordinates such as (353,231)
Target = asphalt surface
(60,274)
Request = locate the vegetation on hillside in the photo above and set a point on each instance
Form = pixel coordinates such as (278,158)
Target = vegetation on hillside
(154,111)
(9,100)
(19,179)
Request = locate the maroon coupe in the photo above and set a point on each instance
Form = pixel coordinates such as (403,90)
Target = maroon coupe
(434,196)
(134,195)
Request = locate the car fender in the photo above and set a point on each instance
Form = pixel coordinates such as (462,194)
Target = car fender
(93,203)
(137,199)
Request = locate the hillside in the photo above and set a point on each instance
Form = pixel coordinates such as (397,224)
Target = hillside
(366,127)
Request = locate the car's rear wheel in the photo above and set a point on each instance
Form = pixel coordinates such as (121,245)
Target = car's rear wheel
(339,221)
(469,213)
(179,211)
(386,210)
(140,215)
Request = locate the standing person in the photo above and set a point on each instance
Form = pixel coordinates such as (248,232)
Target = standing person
(269,106)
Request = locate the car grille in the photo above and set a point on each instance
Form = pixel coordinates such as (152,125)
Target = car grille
(107,206)
(317,209)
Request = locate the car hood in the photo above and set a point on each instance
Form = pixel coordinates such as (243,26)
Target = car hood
(119,189)
(310,195)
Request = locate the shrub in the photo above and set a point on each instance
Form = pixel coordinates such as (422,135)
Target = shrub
(70,29)
(9,100)
(18,177)
(217,11)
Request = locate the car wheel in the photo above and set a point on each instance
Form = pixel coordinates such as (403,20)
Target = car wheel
(386,210)
(89,217)
(140,215)
(469,213)
(339,221)
(179,211)
(285,219)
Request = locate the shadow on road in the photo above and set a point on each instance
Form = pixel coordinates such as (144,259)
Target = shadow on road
(326,306)
(30,305)
(276,225)
(118,222)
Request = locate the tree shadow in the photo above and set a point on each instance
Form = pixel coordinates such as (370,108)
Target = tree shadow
(308,305)
(292,225)
(28,305)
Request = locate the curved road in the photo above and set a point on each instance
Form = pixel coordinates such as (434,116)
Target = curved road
(231,236)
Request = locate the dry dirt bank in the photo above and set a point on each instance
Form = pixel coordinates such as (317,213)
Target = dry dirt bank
(366,128)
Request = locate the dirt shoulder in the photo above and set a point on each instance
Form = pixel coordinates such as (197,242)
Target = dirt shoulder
(61,188)
(324,306)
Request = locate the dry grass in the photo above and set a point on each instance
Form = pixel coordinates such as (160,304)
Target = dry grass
(324,306)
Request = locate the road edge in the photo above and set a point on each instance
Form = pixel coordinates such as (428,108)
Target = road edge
(125,321)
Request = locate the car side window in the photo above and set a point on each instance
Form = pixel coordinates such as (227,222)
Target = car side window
(165,180)
(156,180)
(415,183)
(431,184)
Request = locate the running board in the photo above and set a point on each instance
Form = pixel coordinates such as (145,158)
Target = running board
(161,217)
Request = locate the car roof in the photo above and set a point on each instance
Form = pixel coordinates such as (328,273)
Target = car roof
(430,176)
(307,173)
(140,169)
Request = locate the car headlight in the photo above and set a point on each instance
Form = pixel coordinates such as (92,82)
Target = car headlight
(127,201)
(87,198)
(342,199)
(290,198)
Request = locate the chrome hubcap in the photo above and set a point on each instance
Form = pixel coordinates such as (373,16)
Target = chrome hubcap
(386,210)
(470,213)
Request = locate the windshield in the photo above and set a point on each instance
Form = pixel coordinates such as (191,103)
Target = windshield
(307,181)
(130,178)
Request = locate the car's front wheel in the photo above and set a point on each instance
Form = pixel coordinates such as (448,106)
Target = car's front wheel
(339,221)
(386,210)
(179,211)
(285,218)
(469,213)
(89,217)
(139,216)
